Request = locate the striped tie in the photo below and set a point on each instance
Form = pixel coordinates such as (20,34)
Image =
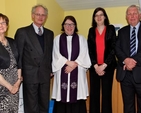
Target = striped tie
(133,42)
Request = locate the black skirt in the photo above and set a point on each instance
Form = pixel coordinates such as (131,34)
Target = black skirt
(78,107)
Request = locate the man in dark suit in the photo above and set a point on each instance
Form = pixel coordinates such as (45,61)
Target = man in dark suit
(129,60)
(35,48)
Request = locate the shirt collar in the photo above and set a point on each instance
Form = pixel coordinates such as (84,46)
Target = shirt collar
(36,28)
(137,26)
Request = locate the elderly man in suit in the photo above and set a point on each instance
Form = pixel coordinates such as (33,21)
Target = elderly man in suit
(128,51)
(35,48)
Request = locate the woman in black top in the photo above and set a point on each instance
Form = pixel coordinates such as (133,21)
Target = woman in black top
(101,43)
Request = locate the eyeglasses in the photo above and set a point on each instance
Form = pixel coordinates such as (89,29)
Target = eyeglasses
(132,14)
(99,15)
(3,23)
(69,25)
(38,15)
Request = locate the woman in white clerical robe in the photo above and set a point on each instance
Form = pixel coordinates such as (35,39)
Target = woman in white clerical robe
(70,64)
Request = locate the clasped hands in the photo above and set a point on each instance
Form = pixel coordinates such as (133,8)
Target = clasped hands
(100,69)
(129,64)
(71,65)
(15,88)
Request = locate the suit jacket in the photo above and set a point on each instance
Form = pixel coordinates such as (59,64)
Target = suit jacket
(35,64)
(109,54)
(123,52)
(4,55)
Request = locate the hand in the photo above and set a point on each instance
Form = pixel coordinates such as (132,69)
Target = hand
(72,64)
(51,75)
(130,63)
(14,89)
(16,86)
(101,73)
(100,69)
(68,69)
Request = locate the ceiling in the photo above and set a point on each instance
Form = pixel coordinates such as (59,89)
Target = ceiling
(68,5)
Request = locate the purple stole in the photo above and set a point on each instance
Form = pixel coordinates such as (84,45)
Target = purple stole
(74,73)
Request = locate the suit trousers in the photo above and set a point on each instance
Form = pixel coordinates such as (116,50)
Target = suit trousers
(131,93)
(36,97)
(103,83)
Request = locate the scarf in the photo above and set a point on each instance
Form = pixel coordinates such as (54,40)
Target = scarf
(74,73)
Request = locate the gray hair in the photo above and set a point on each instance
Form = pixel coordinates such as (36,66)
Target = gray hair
(39,5)
(134,6)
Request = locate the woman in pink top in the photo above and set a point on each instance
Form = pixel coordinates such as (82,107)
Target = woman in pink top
(101,43)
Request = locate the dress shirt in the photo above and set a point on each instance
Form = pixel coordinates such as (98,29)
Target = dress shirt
(136,30)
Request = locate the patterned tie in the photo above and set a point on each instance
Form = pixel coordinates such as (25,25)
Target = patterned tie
(39,31)
(133,42)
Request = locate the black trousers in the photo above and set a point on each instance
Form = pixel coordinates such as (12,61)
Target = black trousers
(78,107)
(131,93)
(36,98)
(103,83)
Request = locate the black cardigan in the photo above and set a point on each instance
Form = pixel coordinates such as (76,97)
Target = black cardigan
(4,55)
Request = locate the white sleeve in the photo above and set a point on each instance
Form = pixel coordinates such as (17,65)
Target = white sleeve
(83,59)
(58,60)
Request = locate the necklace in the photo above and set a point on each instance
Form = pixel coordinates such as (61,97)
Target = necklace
(4,41)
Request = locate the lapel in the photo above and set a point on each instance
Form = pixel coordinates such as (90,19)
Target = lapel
(139,38)
(127,40)
(107,34)
(93,35)
(13,47)
(34,40)
(127,34)
(45,40)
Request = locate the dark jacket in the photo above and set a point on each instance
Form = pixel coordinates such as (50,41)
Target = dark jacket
(109,54)
(4,55)
(36,63)
(123,52)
